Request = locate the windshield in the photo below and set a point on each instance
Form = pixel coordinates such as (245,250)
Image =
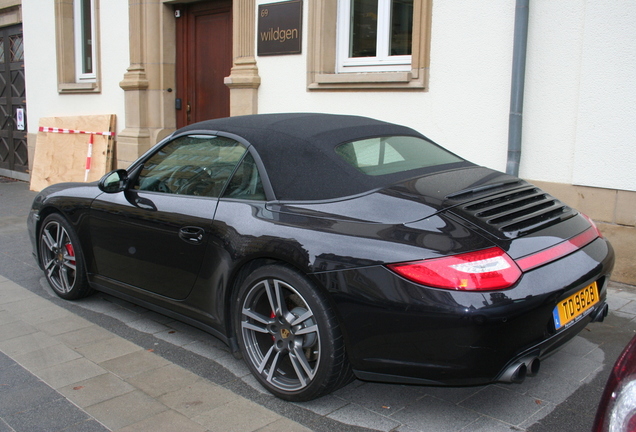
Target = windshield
(394,154)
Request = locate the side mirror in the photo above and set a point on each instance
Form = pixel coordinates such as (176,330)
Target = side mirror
(114,181)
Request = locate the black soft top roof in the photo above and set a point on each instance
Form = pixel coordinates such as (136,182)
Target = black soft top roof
(297,150)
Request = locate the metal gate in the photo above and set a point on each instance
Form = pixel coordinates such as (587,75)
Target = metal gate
(13,128)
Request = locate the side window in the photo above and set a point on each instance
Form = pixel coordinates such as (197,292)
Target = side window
(246,182)
(197,165)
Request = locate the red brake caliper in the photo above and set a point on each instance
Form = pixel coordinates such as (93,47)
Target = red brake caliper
(70,251)
(273,315)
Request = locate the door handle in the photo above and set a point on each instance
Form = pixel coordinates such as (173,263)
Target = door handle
(191,234)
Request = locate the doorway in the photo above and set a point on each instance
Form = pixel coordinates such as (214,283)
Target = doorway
(204,59)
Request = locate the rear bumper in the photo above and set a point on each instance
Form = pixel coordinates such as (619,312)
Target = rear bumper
(516,370)
(401,332)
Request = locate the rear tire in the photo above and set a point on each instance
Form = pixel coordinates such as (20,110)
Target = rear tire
(289,336)
(62,259)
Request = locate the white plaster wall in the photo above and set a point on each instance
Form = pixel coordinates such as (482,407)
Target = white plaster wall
(606,127)
(579,100)
(579,109)
(553,66)
(40,64)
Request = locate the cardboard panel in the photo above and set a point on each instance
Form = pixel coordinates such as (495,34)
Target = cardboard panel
(61,157)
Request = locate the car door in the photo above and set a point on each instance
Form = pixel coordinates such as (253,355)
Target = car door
(153,235)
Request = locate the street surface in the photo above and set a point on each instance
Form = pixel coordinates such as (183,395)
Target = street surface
(563,397)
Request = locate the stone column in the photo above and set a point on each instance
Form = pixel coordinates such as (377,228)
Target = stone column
(244,79)
(135,138)
(149,80)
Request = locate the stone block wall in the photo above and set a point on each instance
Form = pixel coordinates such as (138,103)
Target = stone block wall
(614,212)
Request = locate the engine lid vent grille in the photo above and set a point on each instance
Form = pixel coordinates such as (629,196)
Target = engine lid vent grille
(514,209)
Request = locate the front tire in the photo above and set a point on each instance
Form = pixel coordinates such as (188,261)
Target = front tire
(61,258)
(289,336)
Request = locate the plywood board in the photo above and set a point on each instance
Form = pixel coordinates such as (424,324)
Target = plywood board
(61,157)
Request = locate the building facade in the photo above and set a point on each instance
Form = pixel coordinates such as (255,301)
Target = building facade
(441,67)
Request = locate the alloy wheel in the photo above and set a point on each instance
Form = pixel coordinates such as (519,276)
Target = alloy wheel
(58,257)
(282,339)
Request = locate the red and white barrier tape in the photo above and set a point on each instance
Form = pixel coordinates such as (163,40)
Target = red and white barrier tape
(89,155)
(71,131)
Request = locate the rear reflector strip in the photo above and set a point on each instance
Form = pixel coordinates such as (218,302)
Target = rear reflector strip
(560,250)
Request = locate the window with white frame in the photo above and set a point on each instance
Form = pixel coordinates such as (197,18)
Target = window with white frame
(374,35)
(76,42)
(339,42)
(84,14)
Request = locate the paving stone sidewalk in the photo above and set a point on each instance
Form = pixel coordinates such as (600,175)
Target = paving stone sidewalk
(60,372)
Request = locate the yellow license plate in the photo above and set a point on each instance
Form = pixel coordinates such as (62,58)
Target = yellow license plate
(576,306)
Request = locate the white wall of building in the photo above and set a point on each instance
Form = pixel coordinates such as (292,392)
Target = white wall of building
(40,64)
(580,95)
(579,99)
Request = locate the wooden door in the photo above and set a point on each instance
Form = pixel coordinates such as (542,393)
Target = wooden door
(204,59)
(13,141)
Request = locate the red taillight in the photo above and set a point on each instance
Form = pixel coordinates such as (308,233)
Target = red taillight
(488,269)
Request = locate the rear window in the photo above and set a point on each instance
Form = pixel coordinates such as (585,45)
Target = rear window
(394,154)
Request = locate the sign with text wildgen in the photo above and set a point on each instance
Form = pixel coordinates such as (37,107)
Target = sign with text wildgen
(280,28)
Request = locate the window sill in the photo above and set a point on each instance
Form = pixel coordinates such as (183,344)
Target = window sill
(369,80)
(84,87)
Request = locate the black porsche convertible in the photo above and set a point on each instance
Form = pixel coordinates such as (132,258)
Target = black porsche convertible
(325,247)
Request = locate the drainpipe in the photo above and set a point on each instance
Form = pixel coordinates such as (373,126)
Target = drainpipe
(516,91)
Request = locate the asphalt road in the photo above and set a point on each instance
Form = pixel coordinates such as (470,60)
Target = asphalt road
(563,397)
